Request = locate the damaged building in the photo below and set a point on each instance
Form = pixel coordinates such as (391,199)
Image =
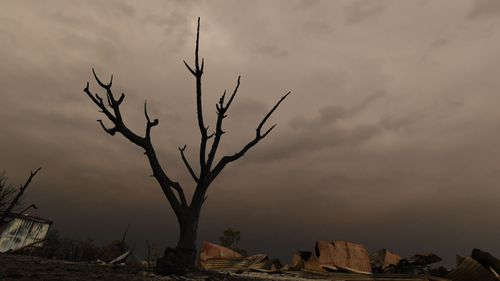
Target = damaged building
(22,231)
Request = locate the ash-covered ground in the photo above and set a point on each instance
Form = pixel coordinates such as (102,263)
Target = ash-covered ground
(23,268)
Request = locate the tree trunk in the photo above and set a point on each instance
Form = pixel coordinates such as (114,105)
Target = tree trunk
(188,228)
(183,258)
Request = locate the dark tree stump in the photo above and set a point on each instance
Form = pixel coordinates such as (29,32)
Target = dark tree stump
(176,261)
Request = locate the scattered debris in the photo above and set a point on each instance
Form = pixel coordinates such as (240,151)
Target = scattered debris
(218,258)
(298,260)
(481,266)
(338,255)
(338,260)
(128,259)
(487,260)
(418,264)
(121,258)
(352,257)
(470,270)
(211,251)
(383,259)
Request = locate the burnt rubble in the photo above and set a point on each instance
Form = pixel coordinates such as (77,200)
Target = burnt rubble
(342,260)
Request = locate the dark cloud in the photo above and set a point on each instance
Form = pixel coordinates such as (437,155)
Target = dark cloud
(484,9)
(331,114)
(375,144)
(272,51)
(317,28)
(125,9)
(358,11)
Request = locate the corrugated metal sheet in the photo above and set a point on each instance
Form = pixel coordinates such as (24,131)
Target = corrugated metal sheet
(352,257)
(230,264)
(470,270)
(22,231)
(216,257)
(326,252)
(298,259)
(313,265)
(382,259)
(339,255)
(210,251)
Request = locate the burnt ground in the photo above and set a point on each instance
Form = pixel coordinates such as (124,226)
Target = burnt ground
(22,268)
(16,267)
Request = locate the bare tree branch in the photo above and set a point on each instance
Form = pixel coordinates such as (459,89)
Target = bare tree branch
(189,68)
(221,114)
(111,131)
(6,191)
(187,215)
(149,124)
(180,192)
(186,162)
(198,72)
(19,194)
(258,137)
(270,113)
(167,184)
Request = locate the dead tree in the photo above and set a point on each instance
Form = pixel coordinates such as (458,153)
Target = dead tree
(187,213)
(9,191)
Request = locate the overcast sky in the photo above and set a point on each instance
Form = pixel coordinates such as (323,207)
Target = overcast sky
(390,137)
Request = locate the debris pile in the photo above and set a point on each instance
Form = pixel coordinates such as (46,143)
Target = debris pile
(216,257)
(338,255)
(340,260)
(382,260)
(418,264)
(479,266)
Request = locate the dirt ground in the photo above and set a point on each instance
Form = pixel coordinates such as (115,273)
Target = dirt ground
(22,268)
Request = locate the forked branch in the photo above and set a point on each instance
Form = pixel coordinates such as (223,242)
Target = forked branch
(167,184)
(258,137)
(221,114)
(18,196)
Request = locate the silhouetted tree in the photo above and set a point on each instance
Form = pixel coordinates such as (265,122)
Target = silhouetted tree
(51,244)
(6,192)
(230,240)
(10,197)
(75,250)
(187,213)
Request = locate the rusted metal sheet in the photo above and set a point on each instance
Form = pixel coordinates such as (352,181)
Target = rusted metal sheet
(487,260)
(234,264)
(216,257)
(332,256)
(224,263)
(210,251)
(313,265)
(421,259)
(299,259)
(21,231)
(382,259)
(352,257)
(326,252)
(470,270)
